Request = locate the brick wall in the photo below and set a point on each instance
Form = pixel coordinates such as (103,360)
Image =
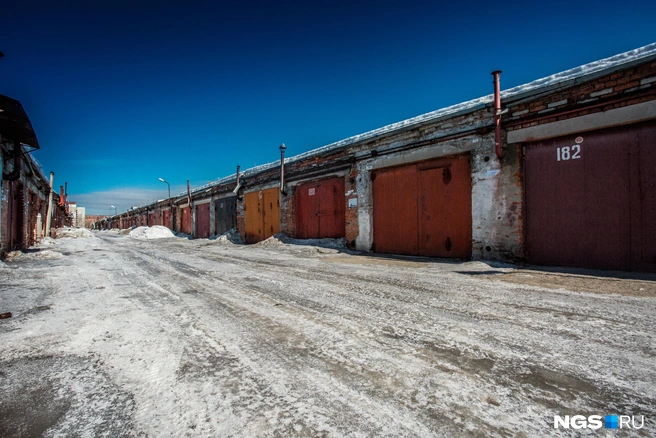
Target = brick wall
(352,229)
(622,88)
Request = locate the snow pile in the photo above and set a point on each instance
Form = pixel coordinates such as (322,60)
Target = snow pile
(126,231)
(114,231)
(284,239)
(34,255)
(154,232)
(48,241)
(231,236)
(74,233)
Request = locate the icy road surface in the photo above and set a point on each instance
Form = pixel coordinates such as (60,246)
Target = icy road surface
(112,336)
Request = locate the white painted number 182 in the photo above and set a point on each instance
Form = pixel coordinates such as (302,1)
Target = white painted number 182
(568,152)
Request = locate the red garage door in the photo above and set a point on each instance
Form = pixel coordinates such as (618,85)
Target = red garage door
(167,219)
(591,199)
(424,208)
(186,220)
(203,221)
(320,209)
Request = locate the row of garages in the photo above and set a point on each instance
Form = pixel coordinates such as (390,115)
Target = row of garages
(573,181)
(24,189)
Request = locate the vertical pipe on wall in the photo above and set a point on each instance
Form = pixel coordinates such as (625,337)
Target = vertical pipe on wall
(49,214)
(282,168)
(497,114)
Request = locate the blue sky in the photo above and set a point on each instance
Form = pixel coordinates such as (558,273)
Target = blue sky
(122,93)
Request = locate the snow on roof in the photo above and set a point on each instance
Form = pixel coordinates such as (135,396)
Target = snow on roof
(594,68)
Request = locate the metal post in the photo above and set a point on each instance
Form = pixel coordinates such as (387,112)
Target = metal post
(49,216)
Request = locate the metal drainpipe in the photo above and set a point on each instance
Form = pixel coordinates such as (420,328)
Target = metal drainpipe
(497,114)
(238,175)
(282,168)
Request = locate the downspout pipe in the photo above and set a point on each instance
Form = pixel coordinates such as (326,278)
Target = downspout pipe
(497,114)
(282,168)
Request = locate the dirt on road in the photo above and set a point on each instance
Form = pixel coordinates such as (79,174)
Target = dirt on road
(114,336)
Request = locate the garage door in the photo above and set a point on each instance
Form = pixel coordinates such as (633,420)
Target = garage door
(203,221)
(591,199)
(262,210)
(167,219)
(424,208)
(320,210)
(185,220)
(225,214)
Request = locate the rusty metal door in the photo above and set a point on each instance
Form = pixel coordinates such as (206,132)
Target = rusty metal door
(203,221)
(262,210)
(424,208)
(166,220)
(271,212)
(225,214)
(445,209)
(252,217)
(186,220)
(590,199)
(320,209)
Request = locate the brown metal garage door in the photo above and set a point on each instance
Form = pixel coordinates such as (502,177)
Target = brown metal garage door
(225,214)
(185,221)
(203,221)
(424,208)
(167,219)
(262,211)
(591,200)
(320,210)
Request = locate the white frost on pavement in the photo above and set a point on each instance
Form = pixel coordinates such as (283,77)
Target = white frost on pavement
(154,232)
(173,338)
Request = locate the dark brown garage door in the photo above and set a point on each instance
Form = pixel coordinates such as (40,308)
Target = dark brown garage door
(320,209)
(591,199)
(225,214)
(203,221)
(424,208)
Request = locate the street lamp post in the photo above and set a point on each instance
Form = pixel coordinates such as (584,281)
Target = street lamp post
(115,210)
(169,185)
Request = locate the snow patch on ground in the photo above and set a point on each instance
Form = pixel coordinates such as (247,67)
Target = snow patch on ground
(231,236)
(75,233)
(154,232)
(33,255)
(284,239)
(47,241)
